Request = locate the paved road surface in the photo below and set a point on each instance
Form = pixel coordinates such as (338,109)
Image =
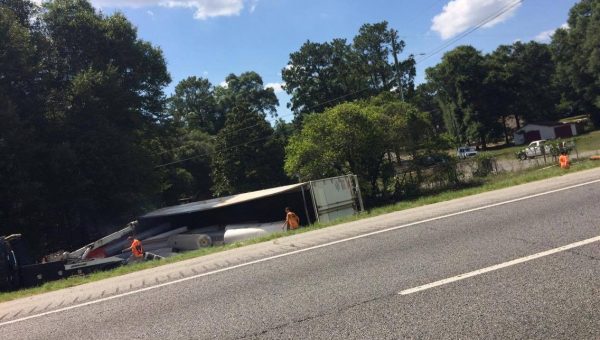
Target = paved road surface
(351,289)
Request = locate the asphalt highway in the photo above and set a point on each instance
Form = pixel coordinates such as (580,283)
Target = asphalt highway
(352,289)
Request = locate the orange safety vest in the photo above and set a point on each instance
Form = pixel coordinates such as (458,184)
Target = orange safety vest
(564,161)
(292,220)
(136,248)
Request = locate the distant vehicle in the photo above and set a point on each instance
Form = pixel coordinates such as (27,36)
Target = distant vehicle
(466,151)
(536,148)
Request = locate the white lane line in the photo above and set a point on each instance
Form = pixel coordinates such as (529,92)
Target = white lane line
(499,266)
(296,252)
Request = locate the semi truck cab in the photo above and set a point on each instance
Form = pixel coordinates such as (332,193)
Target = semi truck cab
(9,265)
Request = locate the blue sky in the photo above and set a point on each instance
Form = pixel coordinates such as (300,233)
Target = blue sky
(212,38)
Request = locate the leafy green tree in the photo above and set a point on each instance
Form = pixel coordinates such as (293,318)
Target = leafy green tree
(110,97)
(246,157)
(18,60)
(413,145)
(187,171)
(424,99)
(502,87)
(196,157)
(576,50)
(519,82)
(322,75)
(346,139)
(524,73)
(23,11)
(247,90)
(283,131)
(409,130)
(22,103)
(535,70)
(372,45)
(86,94)
(368,138)
(458,80)
(194,106)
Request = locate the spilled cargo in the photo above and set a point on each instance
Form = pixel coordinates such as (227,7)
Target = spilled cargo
(171,230)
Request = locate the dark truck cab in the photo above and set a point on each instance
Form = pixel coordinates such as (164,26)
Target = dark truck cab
(9,264)
(18,270)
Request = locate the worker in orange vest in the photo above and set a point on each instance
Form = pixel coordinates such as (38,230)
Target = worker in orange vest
(563,160)
(292,221)
(137,250)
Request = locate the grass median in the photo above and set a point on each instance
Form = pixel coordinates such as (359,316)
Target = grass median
(492,182)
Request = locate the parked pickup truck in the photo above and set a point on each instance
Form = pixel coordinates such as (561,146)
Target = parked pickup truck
(537,148)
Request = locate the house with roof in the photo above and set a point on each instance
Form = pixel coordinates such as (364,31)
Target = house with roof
(543,130)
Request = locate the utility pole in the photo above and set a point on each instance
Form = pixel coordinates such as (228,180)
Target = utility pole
(395,50)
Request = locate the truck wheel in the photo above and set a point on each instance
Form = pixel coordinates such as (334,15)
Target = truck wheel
(523,156)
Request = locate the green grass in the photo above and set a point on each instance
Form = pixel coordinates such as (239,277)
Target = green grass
(505,152)
(588,142)
(490,183)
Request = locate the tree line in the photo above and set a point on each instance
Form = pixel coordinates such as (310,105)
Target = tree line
(89,140)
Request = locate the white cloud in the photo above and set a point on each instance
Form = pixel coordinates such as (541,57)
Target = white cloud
(209,8)
(546,36)
(277,87)
(460,15)
(204,9)
(125,3)
(253,4)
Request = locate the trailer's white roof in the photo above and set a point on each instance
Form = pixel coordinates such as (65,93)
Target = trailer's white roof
(221,201)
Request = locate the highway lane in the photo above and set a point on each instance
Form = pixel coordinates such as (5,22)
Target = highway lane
(351,289)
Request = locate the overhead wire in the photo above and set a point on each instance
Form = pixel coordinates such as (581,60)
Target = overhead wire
(414,18)
(469,31)
(209,153)
(427,55)
(254,125)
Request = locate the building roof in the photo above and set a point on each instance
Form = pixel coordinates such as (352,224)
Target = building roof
(220,202)
(546,123)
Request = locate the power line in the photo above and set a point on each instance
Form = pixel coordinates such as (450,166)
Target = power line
(431,5)
(255,125)
(209,153)
(469,31)
(428,55)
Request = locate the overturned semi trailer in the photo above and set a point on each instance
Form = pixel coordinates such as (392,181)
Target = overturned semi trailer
(187,227)
(246,215)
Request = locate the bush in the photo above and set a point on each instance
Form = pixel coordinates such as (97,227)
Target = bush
(484,165)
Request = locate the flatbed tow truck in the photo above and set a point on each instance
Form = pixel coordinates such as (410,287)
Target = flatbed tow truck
(18,270)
